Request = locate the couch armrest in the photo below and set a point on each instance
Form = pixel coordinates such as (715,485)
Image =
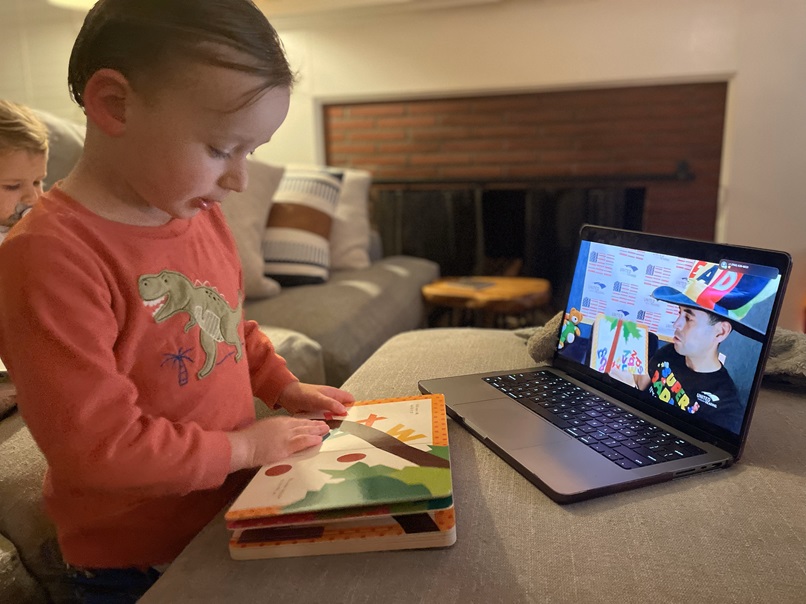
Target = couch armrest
(16,583)
(302,354)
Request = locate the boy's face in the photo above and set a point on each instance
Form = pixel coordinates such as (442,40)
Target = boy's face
(694,335)
(21,176)
(184,147)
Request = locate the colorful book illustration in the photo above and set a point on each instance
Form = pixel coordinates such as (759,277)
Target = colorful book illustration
(619,344)
(380,480)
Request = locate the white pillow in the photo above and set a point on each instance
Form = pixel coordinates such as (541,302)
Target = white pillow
(247,214)
(350,234)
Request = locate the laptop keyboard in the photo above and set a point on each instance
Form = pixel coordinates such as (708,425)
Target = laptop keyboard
(622,437)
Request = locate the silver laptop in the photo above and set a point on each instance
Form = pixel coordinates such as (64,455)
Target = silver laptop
(655,374)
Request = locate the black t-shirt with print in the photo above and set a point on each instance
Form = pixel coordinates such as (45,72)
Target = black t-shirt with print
(710,396)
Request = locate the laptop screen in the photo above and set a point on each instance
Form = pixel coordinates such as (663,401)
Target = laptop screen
(681,325)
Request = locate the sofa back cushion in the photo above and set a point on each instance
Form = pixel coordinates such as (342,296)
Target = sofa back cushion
(65,145)
(350,235)
(246,214)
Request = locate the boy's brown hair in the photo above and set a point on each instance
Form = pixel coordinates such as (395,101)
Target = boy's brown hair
(140,37)
(21,130)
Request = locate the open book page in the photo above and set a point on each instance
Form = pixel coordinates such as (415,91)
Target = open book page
(384,451)
(322,517)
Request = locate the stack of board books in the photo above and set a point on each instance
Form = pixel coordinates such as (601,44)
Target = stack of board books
(381,480)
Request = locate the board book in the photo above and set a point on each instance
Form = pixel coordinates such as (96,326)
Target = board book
(620,344)
(380,480)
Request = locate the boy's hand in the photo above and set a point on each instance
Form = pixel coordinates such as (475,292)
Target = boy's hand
(272,439)
(298,397)
(622,376)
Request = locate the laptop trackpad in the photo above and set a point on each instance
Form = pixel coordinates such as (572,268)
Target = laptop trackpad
(508,423)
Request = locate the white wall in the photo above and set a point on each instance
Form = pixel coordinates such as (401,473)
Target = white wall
(35,43)
(515,46)
(528,45)
(765,167)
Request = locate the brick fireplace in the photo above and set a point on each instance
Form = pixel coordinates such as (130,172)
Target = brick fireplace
(657,147)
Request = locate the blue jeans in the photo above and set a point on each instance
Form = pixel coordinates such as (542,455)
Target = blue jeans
(111,585)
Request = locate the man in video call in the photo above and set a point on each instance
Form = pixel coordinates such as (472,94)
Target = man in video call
(688,372)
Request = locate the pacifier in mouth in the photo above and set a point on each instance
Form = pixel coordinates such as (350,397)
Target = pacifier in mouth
(19,211)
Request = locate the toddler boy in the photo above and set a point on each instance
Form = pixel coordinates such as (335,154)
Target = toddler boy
(23,162)
(121,294)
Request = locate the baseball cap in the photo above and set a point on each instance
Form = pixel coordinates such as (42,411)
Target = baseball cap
(725,292)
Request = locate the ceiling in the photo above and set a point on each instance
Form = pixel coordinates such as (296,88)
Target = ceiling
(300,8)
(303,11)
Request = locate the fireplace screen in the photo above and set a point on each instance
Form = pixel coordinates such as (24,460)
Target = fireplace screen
(527,232)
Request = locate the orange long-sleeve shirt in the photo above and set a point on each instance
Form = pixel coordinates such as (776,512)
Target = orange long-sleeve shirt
(131,360)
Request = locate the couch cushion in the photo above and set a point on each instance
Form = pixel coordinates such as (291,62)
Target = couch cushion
(246,214)
(350,235)
(16,585)
(733,535)
(355,312)
(302,355)
(746,521)
(435,353)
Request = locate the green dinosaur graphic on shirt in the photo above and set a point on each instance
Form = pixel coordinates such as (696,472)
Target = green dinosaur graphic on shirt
(174,293)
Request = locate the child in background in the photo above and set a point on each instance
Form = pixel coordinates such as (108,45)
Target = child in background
(121,293)
(23,162)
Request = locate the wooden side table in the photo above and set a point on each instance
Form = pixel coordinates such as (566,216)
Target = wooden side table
(489,301)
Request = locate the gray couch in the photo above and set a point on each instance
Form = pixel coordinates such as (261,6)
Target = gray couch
(351,315)
(324,332)
(734,535)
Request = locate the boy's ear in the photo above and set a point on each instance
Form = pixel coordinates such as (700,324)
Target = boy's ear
(106,95)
